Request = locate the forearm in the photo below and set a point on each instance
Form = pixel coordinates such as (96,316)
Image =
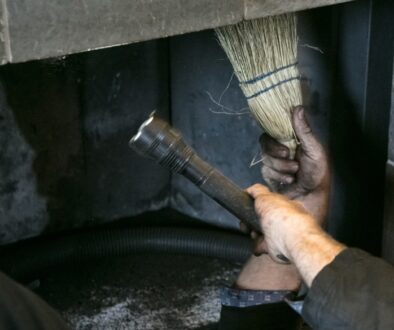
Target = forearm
(312,251)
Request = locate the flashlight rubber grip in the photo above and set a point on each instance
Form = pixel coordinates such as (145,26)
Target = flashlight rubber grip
(222,190)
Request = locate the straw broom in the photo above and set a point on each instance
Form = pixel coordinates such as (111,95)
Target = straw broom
(263,53)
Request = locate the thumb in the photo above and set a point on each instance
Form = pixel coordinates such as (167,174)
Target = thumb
(303,130)
(257,189)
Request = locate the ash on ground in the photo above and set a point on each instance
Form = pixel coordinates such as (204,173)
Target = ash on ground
(141,292)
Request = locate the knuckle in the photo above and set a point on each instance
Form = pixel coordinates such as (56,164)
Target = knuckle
(307,130)
(256,186)
(283,166)
(279,176)
(265,159)
(287,179)
(265,172)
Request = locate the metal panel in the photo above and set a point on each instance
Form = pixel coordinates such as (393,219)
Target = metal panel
(360,117)
(23,211)
(64,131)
(388,228)
(122,87)
(41,164)
(391,132)
(200,74)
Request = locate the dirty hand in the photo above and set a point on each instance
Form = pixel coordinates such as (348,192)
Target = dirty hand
(291,231)
(306,178)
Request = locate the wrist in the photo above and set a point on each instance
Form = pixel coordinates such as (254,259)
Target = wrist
(296,233)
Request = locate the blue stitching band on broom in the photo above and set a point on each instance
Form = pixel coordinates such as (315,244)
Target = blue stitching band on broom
(266,75)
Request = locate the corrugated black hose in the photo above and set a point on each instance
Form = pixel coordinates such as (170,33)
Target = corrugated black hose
(29,259)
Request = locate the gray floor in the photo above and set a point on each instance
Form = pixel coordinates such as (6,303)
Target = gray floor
(141,292)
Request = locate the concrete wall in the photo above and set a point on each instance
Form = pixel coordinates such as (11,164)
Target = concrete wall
(65,160)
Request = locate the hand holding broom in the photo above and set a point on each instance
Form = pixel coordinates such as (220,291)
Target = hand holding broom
(307,176)
(310,184)
(263,53)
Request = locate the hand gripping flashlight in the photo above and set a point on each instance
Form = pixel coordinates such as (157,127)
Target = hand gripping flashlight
(157,140)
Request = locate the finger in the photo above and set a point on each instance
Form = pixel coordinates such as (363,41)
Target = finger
(301,206)
(291,191)
(260,247)
(257,189)
(273,148)
(271,175)
(304,132)
(280,165)
(254,235)
(244,228)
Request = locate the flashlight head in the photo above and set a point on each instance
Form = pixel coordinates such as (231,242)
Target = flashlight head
(157,140)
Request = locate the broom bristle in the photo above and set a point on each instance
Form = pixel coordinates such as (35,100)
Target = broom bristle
(263,53)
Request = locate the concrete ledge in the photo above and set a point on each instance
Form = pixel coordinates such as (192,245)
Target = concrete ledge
(256,9)
(36,29)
